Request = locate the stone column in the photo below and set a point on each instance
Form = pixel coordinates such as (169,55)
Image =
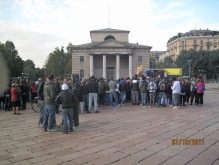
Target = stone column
(91,64)
(104,66)
(117,66)
(130,65)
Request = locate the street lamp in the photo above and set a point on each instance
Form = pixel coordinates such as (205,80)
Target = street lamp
(189,66)
(152,64)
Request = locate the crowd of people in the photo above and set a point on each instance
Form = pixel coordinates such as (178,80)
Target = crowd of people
(79,96)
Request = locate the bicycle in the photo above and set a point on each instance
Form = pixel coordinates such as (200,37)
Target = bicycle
(37,105)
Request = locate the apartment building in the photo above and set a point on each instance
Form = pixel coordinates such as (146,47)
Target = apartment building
(194,39)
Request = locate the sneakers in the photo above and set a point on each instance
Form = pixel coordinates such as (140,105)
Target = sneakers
(175,107)
(118,105)
(96,111)
(88,112)
(52,130)
(123,105)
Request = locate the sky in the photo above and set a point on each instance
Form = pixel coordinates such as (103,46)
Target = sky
(37,27)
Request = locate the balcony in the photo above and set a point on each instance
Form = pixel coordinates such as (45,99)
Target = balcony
(208,43)
(195,44)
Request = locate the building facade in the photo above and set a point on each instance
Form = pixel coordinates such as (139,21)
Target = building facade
(109,55)
(194,39)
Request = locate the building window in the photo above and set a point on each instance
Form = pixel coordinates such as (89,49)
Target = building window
(215,47)
(109,37)
(195,47)
(215,42)
(81,58)
(208,48)
(194,41)
(139,60)
(201,42)
(82,73)
(182,42)
(201,47)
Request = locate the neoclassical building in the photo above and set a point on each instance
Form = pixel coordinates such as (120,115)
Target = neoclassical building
(109,55)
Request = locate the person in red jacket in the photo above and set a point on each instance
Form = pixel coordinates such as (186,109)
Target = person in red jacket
(15,99)
(200,91)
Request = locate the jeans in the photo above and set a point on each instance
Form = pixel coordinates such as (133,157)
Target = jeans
(100,96)
(160,100)
(169,99)
(135,97)
(176,99)
(49,115)
(144,99)
(123,96)
(41,117)
(107,98)
(200,98)
(152,98)
(67,115)
(113,95)
(193,95)
(86,102)
(91,97)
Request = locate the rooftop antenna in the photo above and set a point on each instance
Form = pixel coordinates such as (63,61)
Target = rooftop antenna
(109,18)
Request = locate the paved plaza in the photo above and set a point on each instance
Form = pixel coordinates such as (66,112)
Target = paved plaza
(118,136)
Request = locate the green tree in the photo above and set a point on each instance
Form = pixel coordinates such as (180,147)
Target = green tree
(56,62)
(29,70)
(13,60)
(168,62)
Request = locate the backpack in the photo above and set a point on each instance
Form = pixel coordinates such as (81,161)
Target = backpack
(162,87)
(201,88)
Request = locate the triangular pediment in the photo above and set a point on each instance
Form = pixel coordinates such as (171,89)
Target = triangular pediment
(111,43)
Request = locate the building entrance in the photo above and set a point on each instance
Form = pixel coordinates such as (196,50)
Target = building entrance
(110,72)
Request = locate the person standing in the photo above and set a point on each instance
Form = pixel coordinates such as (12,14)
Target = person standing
(92,88)
(123,89)
(200,91)
(152,87)
(193,91)
(49,93)
(66,98)
(144,90)
(188,84)
(176,90)
(15,101)
(113,85)
(135,91)
(101,92)
(162,92)
(76,91)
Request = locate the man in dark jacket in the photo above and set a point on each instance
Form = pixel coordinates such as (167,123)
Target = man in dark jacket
(123,88)
(76,91)
(92,89)
(41,100)
(50,105)
(144,92)
(66,98)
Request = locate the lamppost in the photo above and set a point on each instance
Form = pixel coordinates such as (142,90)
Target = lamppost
(152,64)
(189,66)
(25,76)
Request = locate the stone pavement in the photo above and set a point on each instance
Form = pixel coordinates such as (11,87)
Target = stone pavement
(118,136)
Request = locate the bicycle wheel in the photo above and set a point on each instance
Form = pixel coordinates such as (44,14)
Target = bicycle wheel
(37,105)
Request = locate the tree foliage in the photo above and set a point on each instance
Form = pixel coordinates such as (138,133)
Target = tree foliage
(13,60)
(57,62)
(207,61)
